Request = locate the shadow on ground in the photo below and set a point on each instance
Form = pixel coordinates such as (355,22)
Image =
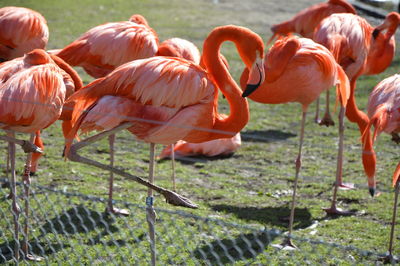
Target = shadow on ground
(245,246)
(266,135)
(270,216)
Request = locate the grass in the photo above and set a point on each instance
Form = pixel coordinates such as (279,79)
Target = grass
(250,188)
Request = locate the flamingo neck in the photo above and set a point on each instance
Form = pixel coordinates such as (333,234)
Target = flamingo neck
(226,126)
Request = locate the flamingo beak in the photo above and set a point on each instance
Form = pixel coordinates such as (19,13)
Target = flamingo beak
(375,33)
(372,191)
(250,88)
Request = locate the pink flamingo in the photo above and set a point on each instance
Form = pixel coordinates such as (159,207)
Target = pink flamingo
(384,114)
(313,69)
(32,93)
(166,99)
(359,49)
(305,22)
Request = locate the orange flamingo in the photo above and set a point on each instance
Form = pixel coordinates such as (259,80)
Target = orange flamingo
(32,93)
(313,69)
(21,31)
(384,114)
(166,99)
(359,49)
(305,22)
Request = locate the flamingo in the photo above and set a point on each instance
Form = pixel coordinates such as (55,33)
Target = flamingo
(105,47)
(359,49)
(32,93)
(21,31)
(299,70)
(384,114)
(210,148)
(305,21)
(166,99)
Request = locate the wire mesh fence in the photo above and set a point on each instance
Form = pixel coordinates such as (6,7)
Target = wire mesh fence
(72,228)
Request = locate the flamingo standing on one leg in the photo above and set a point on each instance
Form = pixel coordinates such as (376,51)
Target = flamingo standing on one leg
(166,99)
(124,41)
(299,70)
(359,49)
(384,114)
(32,93)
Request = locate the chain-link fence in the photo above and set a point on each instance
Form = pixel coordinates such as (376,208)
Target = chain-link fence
(71,228)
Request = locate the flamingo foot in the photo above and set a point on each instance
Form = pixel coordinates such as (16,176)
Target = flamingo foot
(287,244)
(31,257)
(389,259)
(334,211)
(346,186)
(326,121)
(118,212)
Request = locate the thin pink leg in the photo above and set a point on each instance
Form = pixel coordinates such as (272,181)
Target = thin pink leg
(287,243)
(333,210)
(27,183)
(327,118)
(15,207)
(316,119)
(110,207)
(390,256)
(173,166)
(150,212)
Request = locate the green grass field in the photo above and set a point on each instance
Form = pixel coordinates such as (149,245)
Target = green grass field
(252,188)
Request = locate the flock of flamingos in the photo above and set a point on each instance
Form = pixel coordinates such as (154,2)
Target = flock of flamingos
(167,93)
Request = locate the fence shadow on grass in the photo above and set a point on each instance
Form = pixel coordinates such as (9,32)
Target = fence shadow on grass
(272,216)
(245,246)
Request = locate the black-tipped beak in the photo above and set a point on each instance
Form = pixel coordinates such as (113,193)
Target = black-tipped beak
(375,33)
(372,191)
(249,89)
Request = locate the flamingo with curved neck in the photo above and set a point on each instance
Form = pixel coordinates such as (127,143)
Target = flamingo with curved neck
(166,99)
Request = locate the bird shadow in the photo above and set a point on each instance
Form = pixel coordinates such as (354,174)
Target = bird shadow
(273,216)
(228,250)
(266,135)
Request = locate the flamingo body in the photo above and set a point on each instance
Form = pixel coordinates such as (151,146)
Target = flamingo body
(21,31)
(124,41)
(32,92)
(210,148)
(305,22)
(179,47)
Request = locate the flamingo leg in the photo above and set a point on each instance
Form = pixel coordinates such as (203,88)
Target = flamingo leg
(110,207)
(390,258)
(170,196)
(316,119)
(27,183)
(327,119)
(333,210)
(15,207)
(150,212)
(173,166)
(288,241)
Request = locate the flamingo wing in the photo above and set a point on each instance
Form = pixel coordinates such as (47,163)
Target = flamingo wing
(163,96)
